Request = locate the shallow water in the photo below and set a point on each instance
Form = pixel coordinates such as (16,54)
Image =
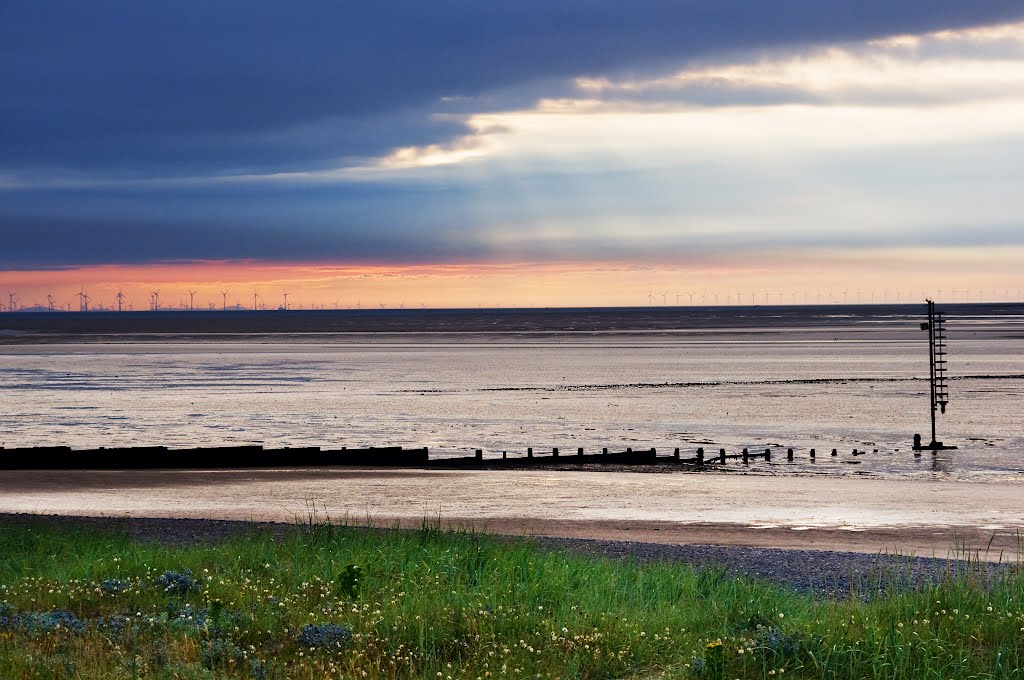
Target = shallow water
(854,384)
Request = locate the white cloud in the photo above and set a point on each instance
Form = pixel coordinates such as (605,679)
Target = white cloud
(943,66)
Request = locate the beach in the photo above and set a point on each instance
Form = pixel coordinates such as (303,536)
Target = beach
(832,377)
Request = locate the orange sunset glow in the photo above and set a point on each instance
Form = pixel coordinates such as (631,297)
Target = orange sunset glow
(850,277)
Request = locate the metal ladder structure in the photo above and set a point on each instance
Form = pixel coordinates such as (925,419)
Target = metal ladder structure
(938,379)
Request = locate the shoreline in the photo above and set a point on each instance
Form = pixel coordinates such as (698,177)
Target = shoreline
(869,516)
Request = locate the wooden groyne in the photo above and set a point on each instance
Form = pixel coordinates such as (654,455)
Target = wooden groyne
(240,457)
(227,457)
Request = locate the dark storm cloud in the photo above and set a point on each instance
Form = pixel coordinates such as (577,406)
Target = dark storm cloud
(198,86)
(58,243)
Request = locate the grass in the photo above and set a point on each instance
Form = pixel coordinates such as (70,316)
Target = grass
(330,601)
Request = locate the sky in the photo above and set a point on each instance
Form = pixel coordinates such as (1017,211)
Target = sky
(510,153)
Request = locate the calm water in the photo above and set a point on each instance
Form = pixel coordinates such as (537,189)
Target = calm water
(854,381)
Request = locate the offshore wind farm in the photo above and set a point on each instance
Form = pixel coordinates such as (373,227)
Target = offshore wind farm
(267,301)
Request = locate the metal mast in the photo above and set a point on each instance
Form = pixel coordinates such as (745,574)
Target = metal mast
(937,378)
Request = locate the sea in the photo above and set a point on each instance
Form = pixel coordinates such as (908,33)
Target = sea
(840,377)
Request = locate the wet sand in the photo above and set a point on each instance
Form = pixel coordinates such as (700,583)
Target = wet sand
(923,517)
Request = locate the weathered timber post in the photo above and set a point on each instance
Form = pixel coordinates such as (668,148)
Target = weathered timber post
(768,455)
(812,454)
(835,452)
(479,455)
(579,451)
(675,454)
(746,457)
(604,451)
(789,454)
(721,456)
(554,452)
(529,452)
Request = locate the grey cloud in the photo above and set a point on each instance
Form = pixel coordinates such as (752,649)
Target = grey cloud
(195,86)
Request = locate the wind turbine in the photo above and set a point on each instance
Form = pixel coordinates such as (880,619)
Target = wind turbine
(120,299)
(83,301)
(255,297)
(224,300)
(49,301)
(650,297)
(155,297)
(285,293)
(12,299)
(192,300)
(691,297)
(715,295)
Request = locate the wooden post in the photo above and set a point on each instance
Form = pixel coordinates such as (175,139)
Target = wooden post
(604,451)
(789,454)
(768,455)
(700,456)
(746,457)
(529,452)
(812,454)
(554,452)
(721,456)
(579,451)
(504,455)
(479,454)
(676,453)
(835,452)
